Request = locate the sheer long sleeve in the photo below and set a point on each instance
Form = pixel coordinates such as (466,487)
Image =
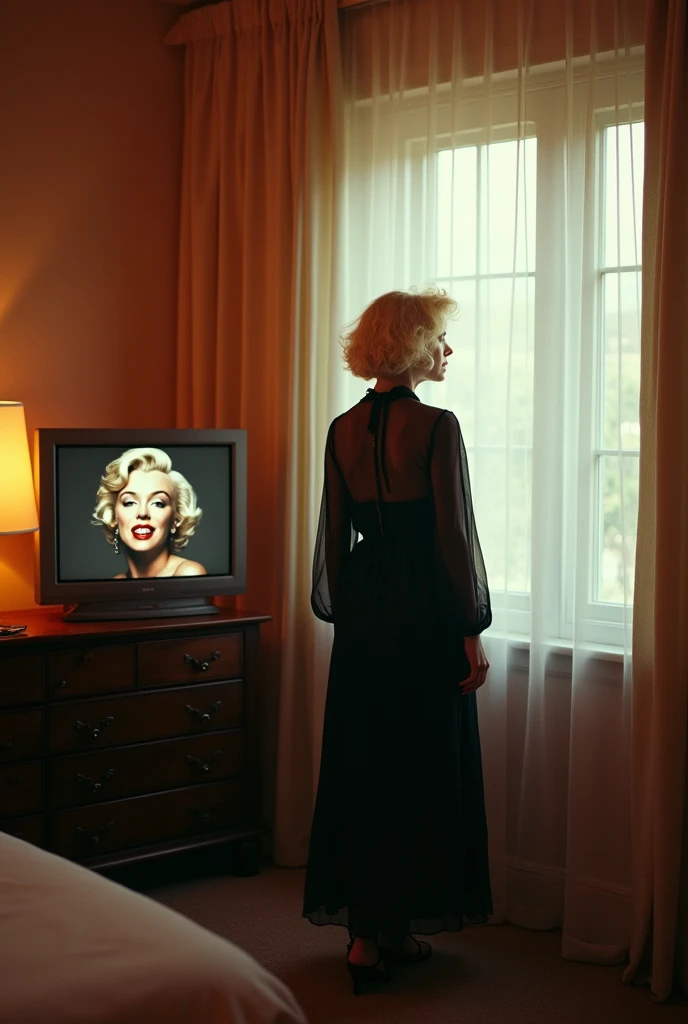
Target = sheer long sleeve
(335,538)
(457,535)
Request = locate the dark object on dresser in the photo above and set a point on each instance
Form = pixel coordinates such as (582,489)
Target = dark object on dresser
(125,741)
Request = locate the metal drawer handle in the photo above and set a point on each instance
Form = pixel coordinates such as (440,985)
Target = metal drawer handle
(95,787)
(204,816)
(202,665)
(204,766)
(93,838)
(95,730)
(203,716)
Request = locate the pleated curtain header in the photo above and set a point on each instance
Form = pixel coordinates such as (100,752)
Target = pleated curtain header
(242,16)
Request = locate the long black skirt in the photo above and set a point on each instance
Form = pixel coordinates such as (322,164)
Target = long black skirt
(399,834)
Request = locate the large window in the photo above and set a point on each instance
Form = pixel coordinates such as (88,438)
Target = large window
(525,205)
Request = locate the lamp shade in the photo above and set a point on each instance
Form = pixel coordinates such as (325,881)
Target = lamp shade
(17,499)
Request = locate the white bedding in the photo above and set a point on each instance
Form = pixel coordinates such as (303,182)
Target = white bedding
(76,948)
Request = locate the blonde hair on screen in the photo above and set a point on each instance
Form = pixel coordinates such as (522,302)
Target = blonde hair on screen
(115,477)
(397,332)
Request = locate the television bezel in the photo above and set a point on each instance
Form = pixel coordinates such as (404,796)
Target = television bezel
(50,591)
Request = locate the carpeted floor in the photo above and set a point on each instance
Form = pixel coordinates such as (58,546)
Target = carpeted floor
(489,975)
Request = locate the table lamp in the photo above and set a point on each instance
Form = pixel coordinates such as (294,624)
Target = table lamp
(17,500)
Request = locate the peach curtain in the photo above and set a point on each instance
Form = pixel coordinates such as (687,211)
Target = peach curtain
(659,942)
(255,276)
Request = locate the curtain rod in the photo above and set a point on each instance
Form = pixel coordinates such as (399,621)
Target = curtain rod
(207,3)
(358,3)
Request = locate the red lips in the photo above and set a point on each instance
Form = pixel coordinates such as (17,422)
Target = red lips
(142,532)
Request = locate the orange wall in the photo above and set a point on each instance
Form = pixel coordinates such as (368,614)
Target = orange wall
(91,124)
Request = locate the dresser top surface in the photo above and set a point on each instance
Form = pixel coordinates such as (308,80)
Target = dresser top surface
(47,625)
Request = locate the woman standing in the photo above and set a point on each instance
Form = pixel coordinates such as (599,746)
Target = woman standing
(399,837)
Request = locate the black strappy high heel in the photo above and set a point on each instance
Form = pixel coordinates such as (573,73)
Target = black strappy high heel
(402,956)
(367,974)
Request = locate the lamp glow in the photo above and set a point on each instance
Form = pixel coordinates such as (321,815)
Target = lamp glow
(17,499)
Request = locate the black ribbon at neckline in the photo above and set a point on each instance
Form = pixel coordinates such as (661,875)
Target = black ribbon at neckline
(380,410)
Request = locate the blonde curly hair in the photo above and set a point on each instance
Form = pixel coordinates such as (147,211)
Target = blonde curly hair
(397,332)
(115,477)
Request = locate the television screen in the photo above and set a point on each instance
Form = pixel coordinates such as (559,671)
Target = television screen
(136,522)
(166,517)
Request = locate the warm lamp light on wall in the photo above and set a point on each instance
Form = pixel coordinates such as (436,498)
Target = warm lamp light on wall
(17,500)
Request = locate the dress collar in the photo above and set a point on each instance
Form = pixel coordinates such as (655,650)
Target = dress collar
(400,391)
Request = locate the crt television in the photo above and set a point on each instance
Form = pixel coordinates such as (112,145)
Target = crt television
(140,523)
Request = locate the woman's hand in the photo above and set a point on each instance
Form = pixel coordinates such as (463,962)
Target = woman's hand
(478,662)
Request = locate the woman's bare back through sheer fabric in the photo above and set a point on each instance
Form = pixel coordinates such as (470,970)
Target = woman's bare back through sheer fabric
(409,429)
(399,837)
(391,448)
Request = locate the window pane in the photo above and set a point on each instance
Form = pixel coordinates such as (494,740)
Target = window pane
(505,360)
(612,528)
(487,203)
(623,193)
(621,360)
(500,486)
(457,205)
(507,234)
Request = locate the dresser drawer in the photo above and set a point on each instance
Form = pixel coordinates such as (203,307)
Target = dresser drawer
(31,830)
(147,767)
(21,679)
(21,735)
(91,670)
(123,824)
(166,662)
(21,788)
(138,717)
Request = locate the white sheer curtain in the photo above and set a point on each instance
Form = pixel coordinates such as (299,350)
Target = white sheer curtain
(498,153)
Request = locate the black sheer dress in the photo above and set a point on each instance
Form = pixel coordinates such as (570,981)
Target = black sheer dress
(399,837)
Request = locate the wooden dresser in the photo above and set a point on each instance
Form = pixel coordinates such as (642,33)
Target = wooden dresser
(124,741)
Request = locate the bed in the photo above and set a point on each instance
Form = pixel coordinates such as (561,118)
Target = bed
(76,948)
